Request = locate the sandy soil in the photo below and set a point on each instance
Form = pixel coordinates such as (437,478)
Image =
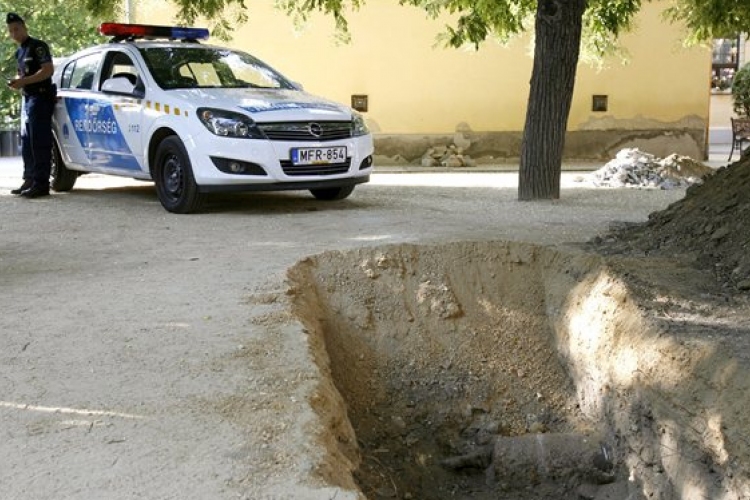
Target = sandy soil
(149,355)
(443,353)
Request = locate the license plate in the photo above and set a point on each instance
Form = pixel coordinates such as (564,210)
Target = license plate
(318,156)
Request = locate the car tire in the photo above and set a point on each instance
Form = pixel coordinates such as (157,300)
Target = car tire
(173,175)
(61,178)
(332,194)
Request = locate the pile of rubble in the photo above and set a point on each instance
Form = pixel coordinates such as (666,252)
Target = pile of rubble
(447,156)
(634,168)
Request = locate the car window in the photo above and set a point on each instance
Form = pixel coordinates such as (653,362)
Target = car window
(67,75)
(199,74)
(80,73)
(119,64)
(253,74)
(187,67)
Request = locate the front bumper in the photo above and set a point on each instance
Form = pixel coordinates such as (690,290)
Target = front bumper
(270,163)
(283,186)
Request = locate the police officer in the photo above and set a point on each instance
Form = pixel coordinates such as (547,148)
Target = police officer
(35,81)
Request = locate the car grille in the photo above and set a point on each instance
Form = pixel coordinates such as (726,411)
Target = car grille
(331,169)
(306,131)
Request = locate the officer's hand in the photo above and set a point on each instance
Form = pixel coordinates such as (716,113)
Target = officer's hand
(15,84)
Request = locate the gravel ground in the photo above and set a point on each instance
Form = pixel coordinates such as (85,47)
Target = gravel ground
(147,355)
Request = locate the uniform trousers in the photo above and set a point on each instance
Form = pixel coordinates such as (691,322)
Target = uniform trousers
(36,139)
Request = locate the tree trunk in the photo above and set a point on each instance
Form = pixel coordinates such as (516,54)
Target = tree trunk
(558,44)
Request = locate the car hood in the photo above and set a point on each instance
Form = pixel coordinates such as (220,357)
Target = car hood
(268,105)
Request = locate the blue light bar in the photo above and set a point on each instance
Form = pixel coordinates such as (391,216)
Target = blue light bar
(120,30)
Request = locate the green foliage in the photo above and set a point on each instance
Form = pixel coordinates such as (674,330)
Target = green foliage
(103,9)
(479,19)
(223,14)
(603,23)
(65,25)
(300,10)
(708,19)
(741,91)
(189,11)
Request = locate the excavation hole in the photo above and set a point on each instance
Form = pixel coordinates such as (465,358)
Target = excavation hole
(438,352)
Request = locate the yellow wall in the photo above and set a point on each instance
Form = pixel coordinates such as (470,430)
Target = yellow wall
(416,87)
(663,81)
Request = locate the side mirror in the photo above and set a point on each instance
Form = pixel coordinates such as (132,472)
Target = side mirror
(297,86)
(119,85)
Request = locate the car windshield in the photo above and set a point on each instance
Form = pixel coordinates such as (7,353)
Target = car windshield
(209,67)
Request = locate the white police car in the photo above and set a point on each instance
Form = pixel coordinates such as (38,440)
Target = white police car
(198,119)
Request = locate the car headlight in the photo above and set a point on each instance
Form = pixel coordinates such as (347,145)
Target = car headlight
(359,127)
(228,124)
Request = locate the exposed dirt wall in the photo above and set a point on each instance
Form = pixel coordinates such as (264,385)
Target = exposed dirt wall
(439,350)
(668,381)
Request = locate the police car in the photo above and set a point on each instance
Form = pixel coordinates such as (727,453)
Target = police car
(157,104)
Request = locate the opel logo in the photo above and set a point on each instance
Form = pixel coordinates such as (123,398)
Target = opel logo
(315,129)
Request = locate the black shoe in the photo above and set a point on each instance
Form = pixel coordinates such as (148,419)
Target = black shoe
(35,191)
(26,185)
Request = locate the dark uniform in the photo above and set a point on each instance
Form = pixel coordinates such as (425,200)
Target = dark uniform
(39,104)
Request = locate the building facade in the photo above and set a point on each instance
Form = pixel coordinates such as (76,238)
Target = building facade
(419,94)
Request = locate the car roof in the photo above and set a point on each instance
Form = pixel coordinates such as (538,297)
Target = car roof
(137,44)
(165,43)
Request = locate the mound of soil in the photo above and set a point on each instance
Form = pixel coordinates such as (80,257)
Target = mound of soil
(710,227)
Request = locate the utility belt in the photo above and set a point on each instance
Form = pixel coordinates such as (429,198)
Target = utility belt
(49,90)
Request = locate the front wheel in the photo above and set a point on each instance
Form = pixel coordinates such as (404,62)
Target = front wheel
(173,175)
(332,194)
(61,178)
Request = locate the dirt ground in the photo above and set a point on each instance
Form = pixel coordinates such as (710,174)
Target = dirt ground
(149,355)
(708,227)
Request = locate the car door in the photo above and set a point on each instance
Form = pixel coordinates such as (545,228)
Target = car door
(116,140)
(72,122)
